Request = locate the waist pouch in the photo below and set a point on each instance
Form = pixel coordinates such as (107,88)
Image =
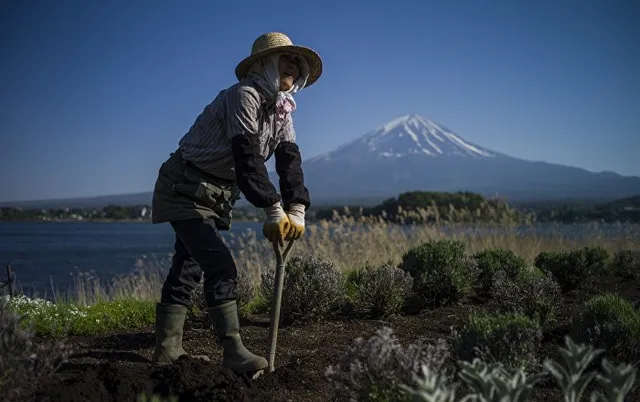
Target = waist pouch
(205,190)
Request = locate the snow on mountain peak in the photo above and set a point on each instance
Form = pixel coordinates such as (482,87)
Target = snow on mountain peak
(408,135)
(413,134)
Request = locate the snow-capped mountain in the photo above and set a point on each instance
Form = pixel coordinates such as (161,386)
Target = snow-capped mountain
(414,153)
(408,135)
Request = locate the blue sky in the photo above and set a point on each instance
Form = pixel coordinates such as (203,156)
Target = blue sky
(95,95)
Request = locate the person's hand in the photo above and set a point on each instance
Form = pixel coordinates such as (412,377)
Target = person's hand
(276,225)
(296,214)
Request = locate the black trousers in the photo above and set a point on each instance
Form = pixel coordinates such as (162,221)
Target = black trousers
(199,250)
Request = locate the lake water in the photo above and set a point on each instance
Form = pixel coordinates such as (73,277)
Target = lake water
(46,253)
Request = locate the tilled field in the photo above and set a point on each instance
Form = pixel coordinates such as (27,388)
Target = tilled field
(116,367)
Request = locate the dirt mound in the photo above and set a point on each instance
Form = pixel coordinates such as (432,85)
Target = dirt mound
(199,380)
(190,379)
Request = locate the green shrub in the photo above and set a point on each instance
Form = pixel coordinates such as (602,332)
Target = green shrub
(570,268)
(493,260)
(510,338)
(382,289)
(313,289)
(626,263)
(373,369)
(441,271)
(535,295)
(598,258)
(609,322)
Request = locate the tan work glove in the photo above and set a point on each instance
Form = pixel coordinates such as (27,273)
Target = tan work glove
(296,214)
(276,225)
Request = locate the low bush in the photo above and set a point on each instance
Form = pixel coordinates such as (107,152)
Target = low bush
(493,260)
(598,258)
(626,264)
(22,363)
(372,369)
(441,271)
(610,322)
(313,288)
(536,295)
(381,289)
(570,268)
(510,338)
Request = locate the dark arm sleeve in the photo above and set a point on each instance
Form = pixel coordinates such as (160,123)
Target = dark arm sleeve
(242,107)
(289,169)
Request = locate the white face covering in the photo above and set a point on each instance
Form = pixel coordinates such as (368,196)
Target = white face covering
(266,74)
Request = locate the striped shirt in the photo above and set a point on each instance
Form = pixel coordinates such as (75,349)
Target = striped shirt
(238,110)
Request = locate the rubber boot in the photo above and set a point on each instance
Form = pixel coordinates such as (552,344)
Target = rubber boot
(235,354)
(169,330)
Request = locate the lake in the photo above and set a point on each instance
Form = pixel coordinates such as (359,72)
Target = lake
(45,254)
(42,252)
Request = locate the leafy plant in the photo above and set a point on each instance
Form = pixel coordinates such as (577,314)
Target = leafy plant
(510,338)
(381,289)
(626,263)
(617,380)
(571,376)
(313,288)
(569,268)
(492,383)
(597,257)
(609,322)
(441,271)
(431,386)
(493,260)
(535,295)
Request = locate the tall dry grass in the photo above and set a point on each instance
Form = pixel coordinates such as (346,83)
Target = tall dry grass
(352,241)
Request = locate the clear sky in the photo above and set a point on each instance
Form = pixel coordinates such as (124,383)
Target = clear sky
(96,94)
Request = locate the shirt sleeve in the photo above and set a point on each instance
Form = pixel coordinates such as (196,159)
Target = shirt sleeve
(242,123)
(287,132)
(289,168)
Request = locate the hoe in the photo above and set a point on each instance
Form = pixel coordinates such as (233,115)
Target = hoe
(281,259)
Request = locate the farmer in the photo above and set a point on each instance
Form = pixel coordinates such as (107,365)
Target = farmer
(222,155)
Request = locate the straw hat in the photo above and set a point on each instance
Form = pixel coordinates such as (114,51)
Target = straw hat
(278,42)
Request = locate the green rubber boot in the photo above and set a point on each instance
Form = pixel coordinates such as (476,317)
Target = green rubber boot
(169,330)
(235,354)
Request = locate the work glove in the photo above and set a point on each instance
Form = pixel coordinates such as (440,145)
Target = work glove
(276,225)
(296,217)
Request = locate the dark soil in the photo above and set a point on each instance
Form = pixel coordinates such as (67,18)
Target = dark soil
(116,367)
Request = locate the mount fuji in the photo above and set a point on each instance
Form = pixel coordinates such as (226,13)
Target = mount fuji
(412,153)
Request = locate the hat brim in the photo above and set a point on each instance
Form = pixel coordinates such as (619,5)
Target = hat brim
(313,61)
